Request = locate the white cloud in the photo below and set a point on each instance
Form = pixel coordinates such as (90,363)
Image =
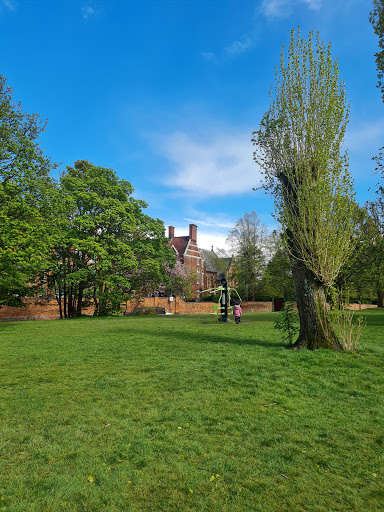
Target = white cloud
(9,4)
(239,47)
(275,8)
(219,165)
(368,136)
(88,11)
(232,50)
(313,4)
(206,238)
(211,222)
(283,8)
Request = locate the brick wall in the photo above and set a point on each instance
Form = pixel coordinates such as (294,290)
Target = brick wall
(50,310)
(251,307)
(33,311)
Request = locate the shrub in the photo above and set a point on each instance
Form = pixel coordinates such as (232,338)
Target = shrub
(287,322)
(149,311)
(348,331)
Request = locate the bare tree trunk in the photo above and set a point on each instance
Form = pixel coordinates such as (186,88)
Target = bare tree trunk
(70,303)
(65,299)
(59,302)
(79,300)
(380,298)
(316,330)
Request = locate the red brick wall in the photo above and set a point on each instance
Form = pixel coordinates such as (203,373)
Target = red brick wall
(50,310)
(252,307)
(32,311)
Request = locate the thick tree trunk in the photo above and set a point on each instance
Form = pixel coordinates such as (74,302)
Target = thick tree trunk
(380,298)
(316,330)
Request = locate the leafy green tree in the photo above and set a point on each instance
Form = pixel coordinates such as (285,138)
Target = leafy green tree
(26,191)
(277,278)
(362,276)
(298,147)
(248,241)
(109,249)
(376,18)
(376,209)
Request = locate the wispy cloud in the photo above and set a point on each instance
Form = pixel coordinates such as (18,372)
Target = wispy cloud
(209,221)
(234,49)
(9,4)
(209,56)
(238,47)
(88,11)
(367,136)
(283,8)
(218,165)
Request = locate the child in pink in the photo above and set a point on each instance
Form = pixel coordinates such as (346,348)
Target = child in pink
(237,312)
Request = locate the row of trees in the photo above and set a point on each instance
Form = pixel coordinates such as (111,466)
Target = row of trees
(262,268)
(85,237)
(263,265)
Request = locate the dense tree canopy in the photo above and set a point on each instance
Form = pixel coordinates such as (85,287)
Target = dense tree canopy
(26,191)
(109,248)
(85,238)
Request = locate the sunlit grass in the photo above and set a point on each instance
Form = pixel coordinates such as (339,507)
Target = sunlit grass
(182,414)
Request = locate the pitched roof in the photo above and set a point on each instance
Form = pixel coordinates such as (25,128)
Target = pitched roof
(210,257)
(180,243)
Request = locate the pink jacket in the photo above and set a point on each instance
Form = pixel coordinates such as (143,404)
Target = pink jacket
(237,311)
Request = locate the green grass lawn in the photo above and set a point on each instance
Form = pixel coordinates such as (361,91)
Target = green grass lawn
(169,414)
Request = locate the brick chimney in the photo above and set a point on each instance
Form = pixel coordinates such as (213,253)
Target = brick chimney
(171,232)
(193,232)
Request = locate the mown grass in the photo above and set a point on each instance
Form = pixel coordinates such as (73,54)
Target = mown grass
(169,414)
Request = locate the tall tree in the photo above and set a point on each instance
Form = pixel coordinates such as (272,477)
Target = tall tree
(299,146)
(376,18)
(25,199)
(248,240)
(109,248)
(376,209)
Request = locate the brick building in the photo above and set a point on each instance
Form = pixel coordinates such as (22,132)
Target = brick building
(199,261)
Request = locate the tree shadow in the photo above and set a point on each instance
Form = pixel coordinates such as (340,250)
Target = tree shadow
(217,337)
(8,325)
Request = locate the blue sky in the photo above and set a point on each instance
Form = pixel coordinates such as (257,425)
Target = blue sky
(167,93)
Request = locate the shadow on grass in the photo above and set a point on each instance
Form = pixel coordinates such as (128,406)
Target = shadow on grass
(203,337)
(8,325)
